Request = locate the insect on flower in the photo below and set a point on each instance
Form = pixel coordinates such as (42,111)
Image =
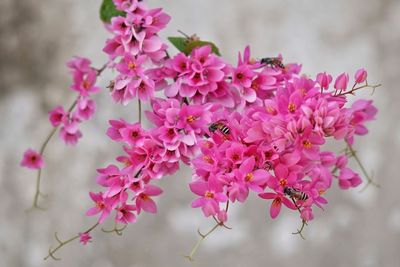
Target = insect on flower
(295,193)
(219,125)
(272,62)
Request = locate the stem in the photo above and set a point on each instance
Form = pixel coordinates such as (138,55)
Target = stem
(63,243)
(358,88)
(202,237)
(299,231)
(369,179)
(140,111)
(35,204)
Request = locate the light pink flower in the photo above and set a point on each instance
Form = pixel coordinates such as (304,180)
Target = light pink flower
(324,80)
(144,200)
(276,204)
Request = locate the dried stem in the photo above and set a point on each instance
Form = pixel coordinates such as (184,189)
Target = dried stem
(300,231)
(117,230)
(369,178)
(63,243)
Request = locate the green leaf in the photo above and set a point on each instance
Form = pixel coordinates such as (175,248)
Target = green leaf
(186,45)
(193,44)
(179,42)
(108,10)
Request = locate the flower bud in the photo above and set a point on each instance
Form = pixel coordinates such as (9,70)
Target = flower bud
(342,81)
(361,75)
(324,80)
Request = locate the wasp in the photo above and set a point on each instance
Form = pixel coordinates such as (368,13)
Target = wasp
(295,193)
(219,125)
(273,62)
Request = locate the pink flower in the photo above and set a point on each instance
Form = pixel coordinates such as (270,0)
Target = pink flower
(84,238)
(131,65)
(342,81)
(144,200)
(132,134)
(324,80)
(70,137)
(124,212)
(276,204)
(360,76)
(348,178)
(102,205)
(86,108)
(210,196)
(32,160)
(56,115)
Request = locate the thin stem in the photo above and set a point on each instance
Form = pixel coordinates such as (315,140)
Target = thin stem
(369,179)
(140,111)
(117,230)
(358,88)
(35,204)
(202,237)
(63,243)
(299,231)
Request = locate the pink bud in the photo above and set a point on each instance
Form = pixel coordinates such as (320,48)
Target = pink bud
(361,75)
(222,216)
(324,80)
(341,81)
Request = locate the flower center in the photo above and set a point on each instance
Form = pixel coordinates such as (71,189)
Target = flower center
(208,159)
(292,107)
(255,86)
(235,157)
(190,119)
(307,144)
(283,182)
(271,110)
(131,65)
(100,205)
(209,194)
(277,201)
(239,76)
(249,177)
(144,197)
(86,84)
(135,134)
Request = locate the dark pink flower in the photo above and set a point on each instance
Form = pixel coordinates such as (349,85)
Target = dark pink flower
(32,160)
(84,238)
(210,196)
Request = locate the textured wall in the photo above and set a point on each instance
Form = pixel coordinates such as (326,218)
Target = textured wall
(37,37)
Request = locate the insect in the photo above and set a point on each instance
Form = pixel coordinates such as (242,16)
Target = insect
(219,125)
(295,193)
(273,62)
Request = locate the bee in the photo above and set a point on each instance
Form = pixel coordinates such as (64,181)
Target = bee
(273,62)
(219,125)
(295,193)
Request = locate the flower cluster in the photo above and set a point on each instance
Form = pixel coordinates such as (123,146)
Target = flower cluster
(84,83)
(258,126)
(134,44)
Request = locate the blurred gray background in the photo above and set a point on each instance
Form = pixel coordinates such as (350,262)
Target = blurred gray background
(37,37)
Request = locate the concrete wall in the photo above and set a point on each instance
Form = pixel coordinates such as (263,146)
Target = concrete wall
(37,37)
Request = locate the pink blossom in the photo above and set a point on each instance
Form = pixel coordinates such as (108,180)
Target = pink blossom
(102,205)
(276,204)
(360,76)
(132,134)
(84,238)
(144,200)
(32,159)
(348,178)
(86,108)
(210,196)
(56,115)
